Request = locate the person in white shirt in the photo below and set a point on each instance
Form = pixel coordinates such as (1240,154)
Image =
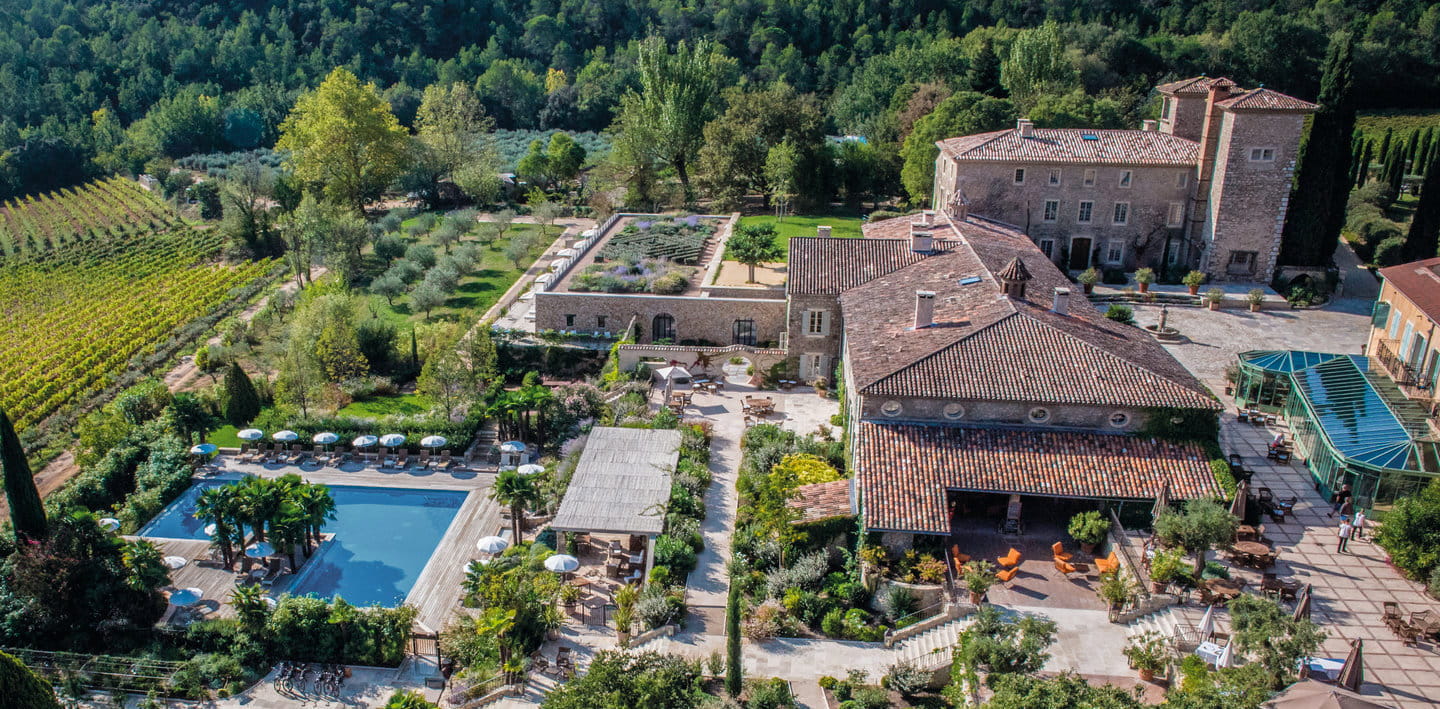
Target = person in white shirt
(1345,530)
(1359,524)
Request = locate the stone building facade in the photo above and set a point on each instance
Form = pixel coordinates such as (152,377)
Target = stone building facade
(675,319)
(1206,186)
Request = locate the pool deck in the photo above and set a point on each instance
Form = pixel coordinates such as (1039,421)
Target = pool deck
(436,593)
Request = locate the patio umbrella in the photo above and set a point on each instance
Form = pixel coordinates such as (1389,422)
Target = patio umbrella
(364,441)
(545,278)
(260,550)
(1312,694)
(558,264)
(392,440)
(530,469)
(204,449)
(325,438)
(269,602)
(1302,606)
(433,441)
(250,434)
(109,524)
(1353,674)
(1224,659)
(669,375)
(492,545)
(567,253)
(210,529)
(1207,624)
(285,436)
(186,597)
(1162,500)
(562,563)
(174,562)
(512,447)
(1237,506)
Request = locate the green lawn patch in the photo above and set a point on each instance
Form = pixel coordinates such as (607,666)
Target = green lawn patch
(381,406)
(842,223)
(224,437)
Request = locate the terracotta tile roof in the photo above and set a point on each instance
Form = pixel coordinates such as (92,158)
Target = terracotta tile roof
(1199,85)
(1014,271)
(1266,100)
(1081,357)
(904,470)
(1071,145)
(1420,282)
(822,501)
(830,265)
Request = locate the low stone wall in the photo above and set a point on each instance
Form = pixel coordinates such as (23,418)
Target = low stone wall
(925,594)
(949,612)
(664,631)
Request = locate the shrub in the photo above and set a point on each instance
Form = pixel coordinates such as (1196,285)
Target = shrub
(898,602)
(867,698)
(804,573)
(1433,586)
(675,553)
(1121,313)
(833,623)
(770,694)
(766,621)
(905,678)
(1089,527)
(669,284)
(1390,251)
(1410,532)
(1089,276)
(808,469)
(655,610)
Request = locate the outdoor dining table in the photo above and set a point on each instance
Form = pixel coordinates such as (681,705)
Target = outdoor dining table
(1209,652)
(1252,548)
(1224,588)
(1245,533)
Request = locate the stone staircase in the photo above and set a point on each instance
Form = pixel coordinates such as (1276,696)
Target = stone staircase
(930,650)
(1166,621)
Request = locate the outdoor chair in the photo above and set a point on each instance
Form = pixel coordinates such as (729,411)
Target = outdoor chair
(1392,613)
(1058,550)
(957,555)
(297,453)
(1264,495)
(1270,584)
(1010,559)
(1109,564)
(1427,622)
(404,459)
(1064,567)
(1007,574)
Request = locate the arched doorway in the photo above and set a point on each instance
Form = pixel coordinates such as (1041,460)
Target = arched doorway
(662,328)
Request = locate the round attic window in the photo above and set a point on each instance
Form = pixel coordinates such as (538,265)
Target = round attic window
(891,408)
(1039,414)
(953,411)
(1119,419)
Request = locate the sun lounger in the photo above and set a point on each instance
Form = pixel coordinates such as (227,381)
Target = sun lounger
(424,462)
(297,454)
(443,462)
(404,459)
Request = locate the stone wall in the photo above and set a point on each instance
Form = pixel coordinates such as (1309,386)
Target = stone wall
(802,344)
(696,318)
(1248,198)
(991,191)
(698,360)
(1004,413)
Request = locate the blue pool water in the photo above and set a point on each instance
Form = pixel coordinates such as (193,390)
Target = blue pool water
(383,538)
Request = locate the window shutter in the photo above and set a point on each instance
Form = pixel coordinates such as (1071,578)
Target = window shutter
(825,322)
(1380,314)
(804,365)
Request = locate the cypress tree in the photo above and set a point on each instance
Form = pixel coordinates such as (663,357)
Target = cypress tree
(1362,166)
(1395,168)
(27,512)
(1317,206)
(984,73)
(23,687)
(733,671)
(242,402)
(414,350)
(1412,150)
(1383,154)
(1424,237)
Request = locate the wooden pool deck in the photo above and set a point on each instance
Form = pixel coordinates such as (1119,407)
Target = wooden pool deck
(436,593)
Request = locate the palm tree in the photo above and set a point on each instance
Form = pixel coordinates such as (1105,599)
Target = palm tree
(250,606)
(515,490)
(219,506)
(318,507)
(497,623)
(290,528)
(259,504)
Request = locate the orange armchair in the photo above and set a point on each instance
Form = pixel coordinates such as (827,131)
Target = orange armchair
(1064,567)
(1007,574)
(1058,550)
(1109,564)
(957,556)
(1011,559)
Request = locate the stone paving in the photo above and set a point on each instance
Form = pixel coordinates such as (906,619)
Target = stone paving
(1348,588)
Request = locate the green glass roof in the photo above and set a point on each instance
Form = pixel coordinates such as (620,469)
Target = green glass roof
(1358,421)
(1285,361)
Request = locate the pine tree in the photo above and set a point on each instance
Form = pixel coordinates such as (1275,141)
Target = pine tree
(1424,237)
(242,402)
(1362,166)
(1317,206)
(27,512)
(984,73)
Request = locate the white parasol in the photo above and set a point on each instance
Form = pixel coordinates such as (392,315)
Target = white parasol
(204,449)
(492,545)
(260,550)
(109,524)
(285,436)
(530,469)
(433,441)
(325,438)
(364,441)
(391,440)
(562,563)
(174,562)
(186,597)
(250,434)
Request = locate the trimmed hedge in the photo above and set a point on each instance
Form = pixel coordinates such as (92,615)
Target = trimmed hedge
(459,435)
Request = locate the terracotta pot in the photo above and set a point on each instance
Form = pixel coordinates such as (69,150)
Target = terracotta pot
(1087,547)
(1193,289)
(1144,287)
(1147,675)
(975,598)
(1089,288)
(1255,307)
(1214,305)
(1158,586)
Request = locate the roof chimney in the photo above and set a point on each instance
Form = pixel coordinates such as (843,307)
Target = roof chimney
(822,231)
(924,309)
(921,240)
(1026,128)
(1149,125)
(1062,301)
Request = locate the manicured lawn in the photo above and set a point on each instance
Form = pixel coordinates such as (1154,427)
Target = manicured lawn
(382,406)
(224,437)
(842,224)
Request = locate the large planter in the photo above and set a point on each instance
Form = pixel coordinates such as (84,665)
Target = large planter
(1088,287)
(1214,305)
(925,594)
(1158,586)
(976,598)
(1147,675)
(1088,547)
(1255,307)
(1194,290)
(1144,287)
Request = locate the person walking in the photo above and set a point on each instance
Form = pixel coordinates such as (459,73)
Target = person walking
(1341,497)
(1345,530)
(1359,524)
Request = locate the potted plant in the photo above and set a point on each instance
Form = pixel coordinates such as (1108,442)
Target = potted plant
(1147,653)
(1088,278)
(569,595)
(1089,529)
(1145,277)
(979,577)
(1165,567)
(1114,589)
(1255,298)
(625,598)
(1214,297)
(1192,280)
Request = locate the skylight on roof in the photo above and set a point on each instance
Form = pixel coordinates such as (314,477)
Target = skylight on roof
(969,280)
(1089,136)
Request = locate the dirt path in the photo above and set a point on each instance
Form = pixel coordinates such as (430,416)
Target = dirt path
(183,377)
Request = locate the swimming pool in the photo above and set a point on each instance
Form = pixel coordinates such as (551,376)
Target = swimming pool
(383,538)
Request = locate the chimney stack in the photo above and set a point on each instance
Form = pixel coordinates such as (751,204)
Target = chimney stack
(924,309)
(921,240)
(822,231)
(1062,301)
(1149,125)
(1026,128)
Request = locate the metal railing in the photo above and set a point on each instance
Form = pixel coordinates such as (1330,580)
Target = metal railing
(1399,370)
(1121,541)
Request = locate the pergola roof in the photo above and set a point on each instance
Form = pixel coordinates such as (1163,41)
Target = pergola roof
(622,483)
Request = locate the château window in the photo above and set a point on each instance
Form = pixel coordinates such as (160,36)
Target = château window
(817,322)
(1175,215)
(1047,247)
(1119,419)
(1052,210)
(1114,252)
(1019,175)
(745,332)
(1086,209)
(1122,213)
(1039,414)
(569,320)
(662,327)
(1242,263)
(1125,178)
(1089,178)
(1054,176)
(1262,155)
(1165,109)
(1182,179)
(600,321)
